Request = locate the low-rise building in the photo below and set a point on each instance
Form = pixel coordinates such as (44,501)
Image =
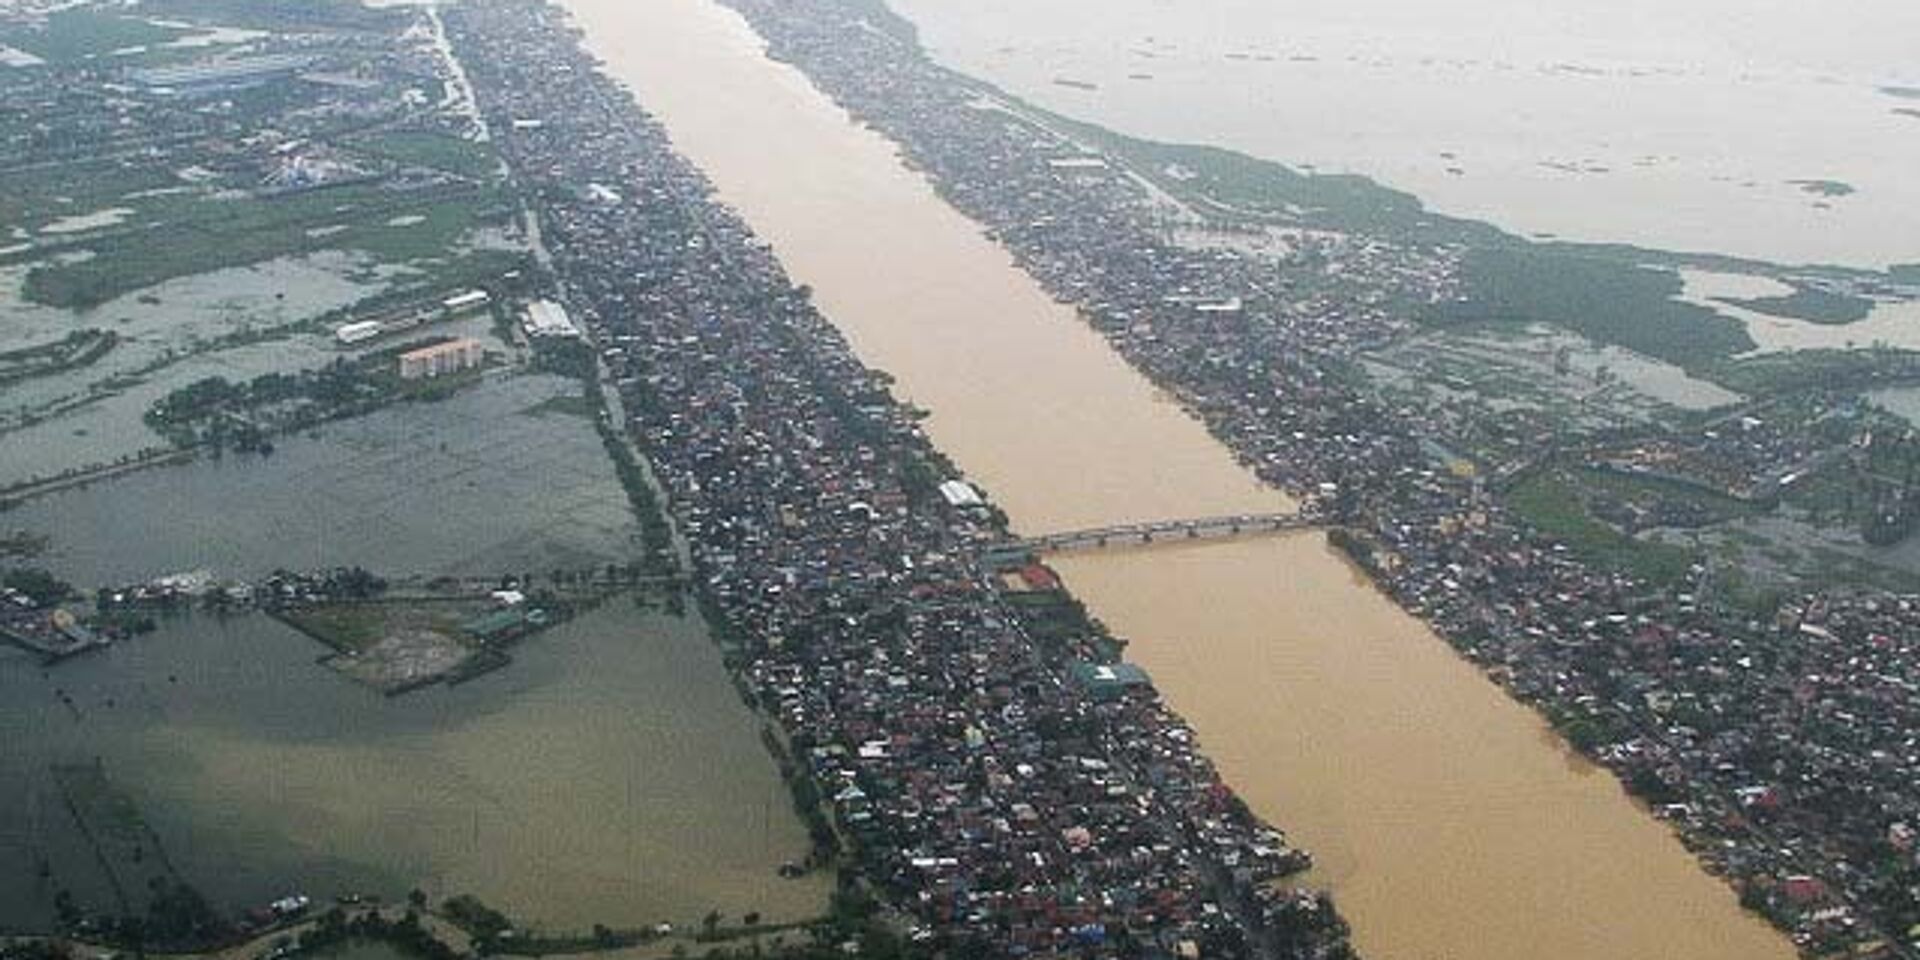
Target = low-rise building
(546,318)
(359,331)
(441,359)
(466,302)
(218,76)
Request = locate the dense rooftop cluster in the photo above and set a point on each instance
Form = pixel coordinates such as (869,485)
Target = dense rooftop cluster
(108,110)
(996,800)
(1782,747)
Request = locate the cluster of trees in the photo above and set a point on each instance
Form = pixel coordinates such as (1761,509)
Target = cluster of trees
(341,388)
(1599,296)
(1890,479)
(178,920)
(43,589)
(853,918)
(35,950)
(565,356)
(178,916)
(656,536)
(405,934)
(77,349)
(480,921)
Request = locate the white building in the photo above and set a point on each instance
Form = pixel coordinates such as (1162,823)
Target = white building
(959,494)
(546,318)
(351,333)
(462,302)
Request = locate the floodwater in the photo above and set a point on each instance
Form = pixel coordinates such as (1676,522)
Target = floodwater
(93,415)
(1701,125)
(1902,402)
(475,485)
(80,223)
(1449,821)
(1892,323)
(363,950)
(609,775)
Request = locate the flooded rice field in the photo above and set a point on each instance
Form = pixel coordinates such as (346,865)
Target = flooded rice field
(610,775)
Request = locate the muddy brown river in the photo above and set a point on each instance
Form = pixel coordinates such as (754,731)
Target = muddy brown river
(1448,821)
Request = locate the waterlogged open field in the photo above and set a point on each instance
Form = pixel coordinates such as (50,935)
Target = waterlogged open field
(611,775)
(497,479)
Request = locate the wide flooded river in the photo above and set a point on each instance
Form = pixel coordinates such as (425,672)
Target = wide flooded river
(1449,822)
(1018,386)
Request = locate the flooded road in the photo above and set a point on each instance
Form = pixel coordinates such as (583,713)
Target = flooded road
(1448,820)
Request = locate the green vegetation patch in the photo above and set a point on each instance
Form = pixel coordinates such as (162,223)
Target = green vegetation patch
(34,197)
(219,412)
(1262,188)
(440,226)
(393,226)
(1556,506)
(1829,497)
(78,349)
(37,585)
(1605,293)
(1810,304)
(432,149)
(22,544)
(1839,370)
(1706,506)
(358,627)
(77,33)
(1598,297)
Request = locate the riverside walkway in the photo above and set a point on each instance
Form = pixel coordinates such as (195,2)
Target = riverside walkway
(1166,531)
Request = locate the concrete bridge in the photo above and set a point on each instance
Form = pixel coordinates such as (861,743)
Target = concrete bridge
(1167,531)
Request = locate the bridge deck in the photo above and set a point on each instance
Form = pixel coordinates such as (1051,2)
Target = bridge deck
(1198,528)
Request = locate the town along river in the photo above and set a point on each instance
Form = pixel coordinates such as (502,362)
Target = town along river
(1449,822)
